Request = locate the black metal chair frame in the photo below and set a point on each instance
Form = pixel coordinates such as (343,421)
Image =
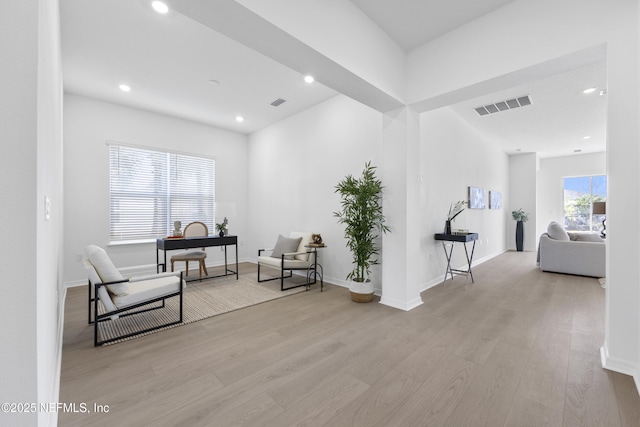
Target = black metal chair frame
(310,270)
(123,312)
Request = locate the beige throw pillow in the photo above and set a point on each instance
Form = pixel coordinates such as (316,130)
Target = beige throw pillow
(285,245)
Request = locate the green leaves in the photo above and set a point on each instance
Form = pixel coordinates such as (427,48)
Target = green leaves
(362,216)
(520,215)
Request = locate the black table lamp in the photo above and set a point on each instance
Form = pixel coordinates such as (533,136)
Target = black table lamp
(600,208)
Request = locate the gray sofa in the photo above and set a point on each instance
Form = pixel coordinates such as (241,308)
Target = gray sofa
(580,254)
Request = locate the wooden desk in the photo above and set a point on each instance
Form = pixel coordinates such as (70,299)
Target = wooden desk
(464,239)
(165,245)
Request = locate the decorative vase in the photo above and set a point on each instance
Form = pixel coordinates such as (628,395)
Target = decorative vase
(519,235)
(447,227)
(221,234)
(361,291)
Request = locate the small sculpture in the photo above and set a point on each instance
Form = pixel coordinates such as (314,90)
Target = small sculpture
(317,239)
(176,229)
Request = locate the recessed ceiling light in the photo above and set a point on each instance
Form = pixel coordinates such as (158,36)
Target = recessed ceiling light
(125,88)
(586,137)
(309,79)
(160,7)
(590,90)
(239,119)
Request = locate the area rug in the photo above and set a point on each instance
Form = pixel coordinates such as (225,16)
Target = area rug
(202,300)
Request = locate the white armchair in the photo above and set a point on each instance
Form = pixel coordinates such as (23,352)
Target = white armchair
(289,253)
(119,296)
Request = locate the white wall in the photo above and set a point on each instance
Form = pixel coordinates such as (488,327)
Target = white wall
(50,231)
(88,124)
(550,200)
(455,156)
(323,144)
(18,118)
(504,47)
(522,195)
(293,168)
(30,167)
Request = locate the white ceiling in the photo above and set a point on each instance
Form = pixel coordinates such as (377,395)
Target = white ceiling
(169,61)
(412,23)
(556,122)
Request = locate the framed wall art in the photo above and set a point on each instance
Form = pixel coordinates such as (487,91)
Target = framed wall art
(495,200)
(476,198)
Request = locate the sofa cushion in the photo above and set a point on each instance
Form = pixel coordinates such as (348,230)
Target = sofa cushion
(148,289)
(557,232)
(189,255)
(285,245)
(288,263)
(588,237)
(106,270)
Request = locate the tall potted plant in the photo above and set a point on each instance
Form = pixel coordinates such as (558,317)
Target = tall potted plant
(362,216)
(521,217)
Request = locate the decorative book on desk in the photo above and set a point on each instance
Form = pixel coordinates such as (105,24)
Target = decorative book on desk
(469,237)
(174,237)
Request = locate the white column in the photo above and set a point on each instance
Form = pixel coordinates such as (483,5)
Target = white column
(400,173)
(621,350)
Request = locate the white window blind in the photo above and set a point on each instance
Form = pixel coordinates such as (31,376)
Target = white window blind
(149,190)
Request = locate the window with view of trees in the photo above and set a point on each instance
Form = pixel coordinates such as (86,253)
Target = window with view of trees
(579,194)
(149,190)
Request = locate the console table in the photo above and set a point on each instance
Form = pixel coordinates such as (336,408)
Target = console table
(464,239)
(165,245)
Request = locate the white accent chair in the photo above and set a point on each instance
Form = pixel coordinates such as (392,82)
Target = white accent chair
(289,254)
(194,229)
(120,296)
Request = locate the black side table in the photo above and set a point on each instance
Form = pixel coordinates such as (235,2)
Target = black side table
(464,239)
(314,268)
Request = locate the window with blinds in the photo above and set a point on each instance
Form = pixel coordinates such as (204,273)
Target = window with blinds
(149,190)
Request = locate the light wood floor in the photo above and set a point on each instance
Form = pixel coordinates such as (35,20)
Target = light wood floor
(518,348)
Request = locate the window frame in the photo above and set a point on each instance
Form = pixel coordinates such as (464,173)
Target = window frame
(169,213)
(592,224)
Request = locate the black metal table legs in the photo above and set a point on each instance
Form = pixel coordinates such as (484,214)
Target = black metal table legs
(451,271)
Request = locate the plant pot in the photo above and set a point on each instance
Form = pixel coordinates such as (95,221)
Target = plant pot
(519,236)
(221,234)
(361,291)
(447,227)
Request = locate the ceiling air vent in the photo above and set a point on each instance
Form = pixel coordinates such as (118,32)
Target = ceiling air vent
(509,104)
(278,102)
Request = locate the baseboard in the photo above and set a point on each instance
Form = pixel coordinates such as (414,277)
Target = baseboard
(55,383)
(401,305)
(621,366)
(438,280)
